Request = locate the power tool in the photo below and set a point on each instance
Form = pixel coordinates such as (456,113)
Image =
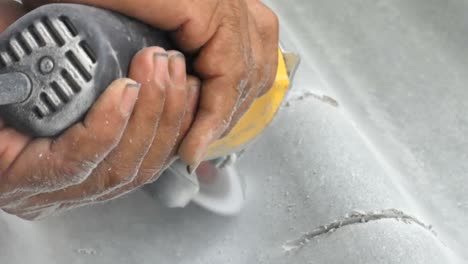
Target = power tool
(56,60)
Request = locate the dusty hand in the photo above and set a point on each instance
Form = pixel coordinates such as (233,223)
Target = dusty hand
(126,140)
(122,144)
(236,41)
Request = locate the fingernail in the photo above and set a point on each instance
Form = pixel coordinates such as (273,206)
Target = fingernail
(177,55)
(160,55)
(129,98)
(160,66)
(199,156)
(178,69)
(192,168)
(160,59)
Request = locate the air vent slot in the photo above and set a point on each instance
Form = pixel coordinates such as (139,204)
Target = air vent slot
(39,112)
(12,54)
(87,49)
(71,81)
(24,44)
(71,28)
(61,92)
(6,58)
(17,49)
(29,41)
(48,102)
(2,63)
(36,36)
(42,108)
(78,65)
(53,31)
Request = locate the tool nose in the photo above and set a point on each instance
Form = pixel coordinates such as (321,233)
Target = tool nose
(15,87)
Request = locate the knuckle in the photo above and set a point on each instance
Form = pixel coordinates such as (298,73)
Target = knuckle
(274,20)
(149,178)
(140,181)
(148,123)
(173,117)
(104,182)
(162,85)
(74,171)
(271,20)
(119,178)
(159,90)
(145,174)
(107,137)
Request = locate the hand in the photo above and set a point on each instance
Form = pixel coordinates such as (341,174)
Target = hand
(122,144)
(126,140)
(237,46)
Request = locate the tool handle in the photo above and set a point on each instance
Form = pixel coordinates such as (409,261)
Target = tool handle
(70,53)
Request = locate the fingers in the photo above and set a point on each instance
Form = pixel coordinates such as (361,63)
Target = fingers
(193,86)
(123,164)
(171,120)
(57,164)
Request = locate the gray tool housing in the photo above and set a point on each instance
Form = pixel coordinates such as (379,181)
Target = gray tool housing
(70,54)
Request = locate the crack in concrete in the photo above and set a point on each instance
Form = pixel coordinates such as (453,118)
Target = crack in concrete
(324,98)
(356,217)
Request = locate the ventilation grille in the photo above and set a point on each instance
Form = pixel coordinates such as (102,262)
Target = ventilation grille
(60,92)
(78,62)
(46,31)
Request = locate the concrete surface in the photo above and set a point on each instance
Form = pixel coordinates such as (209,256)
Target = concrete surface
(396,139)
